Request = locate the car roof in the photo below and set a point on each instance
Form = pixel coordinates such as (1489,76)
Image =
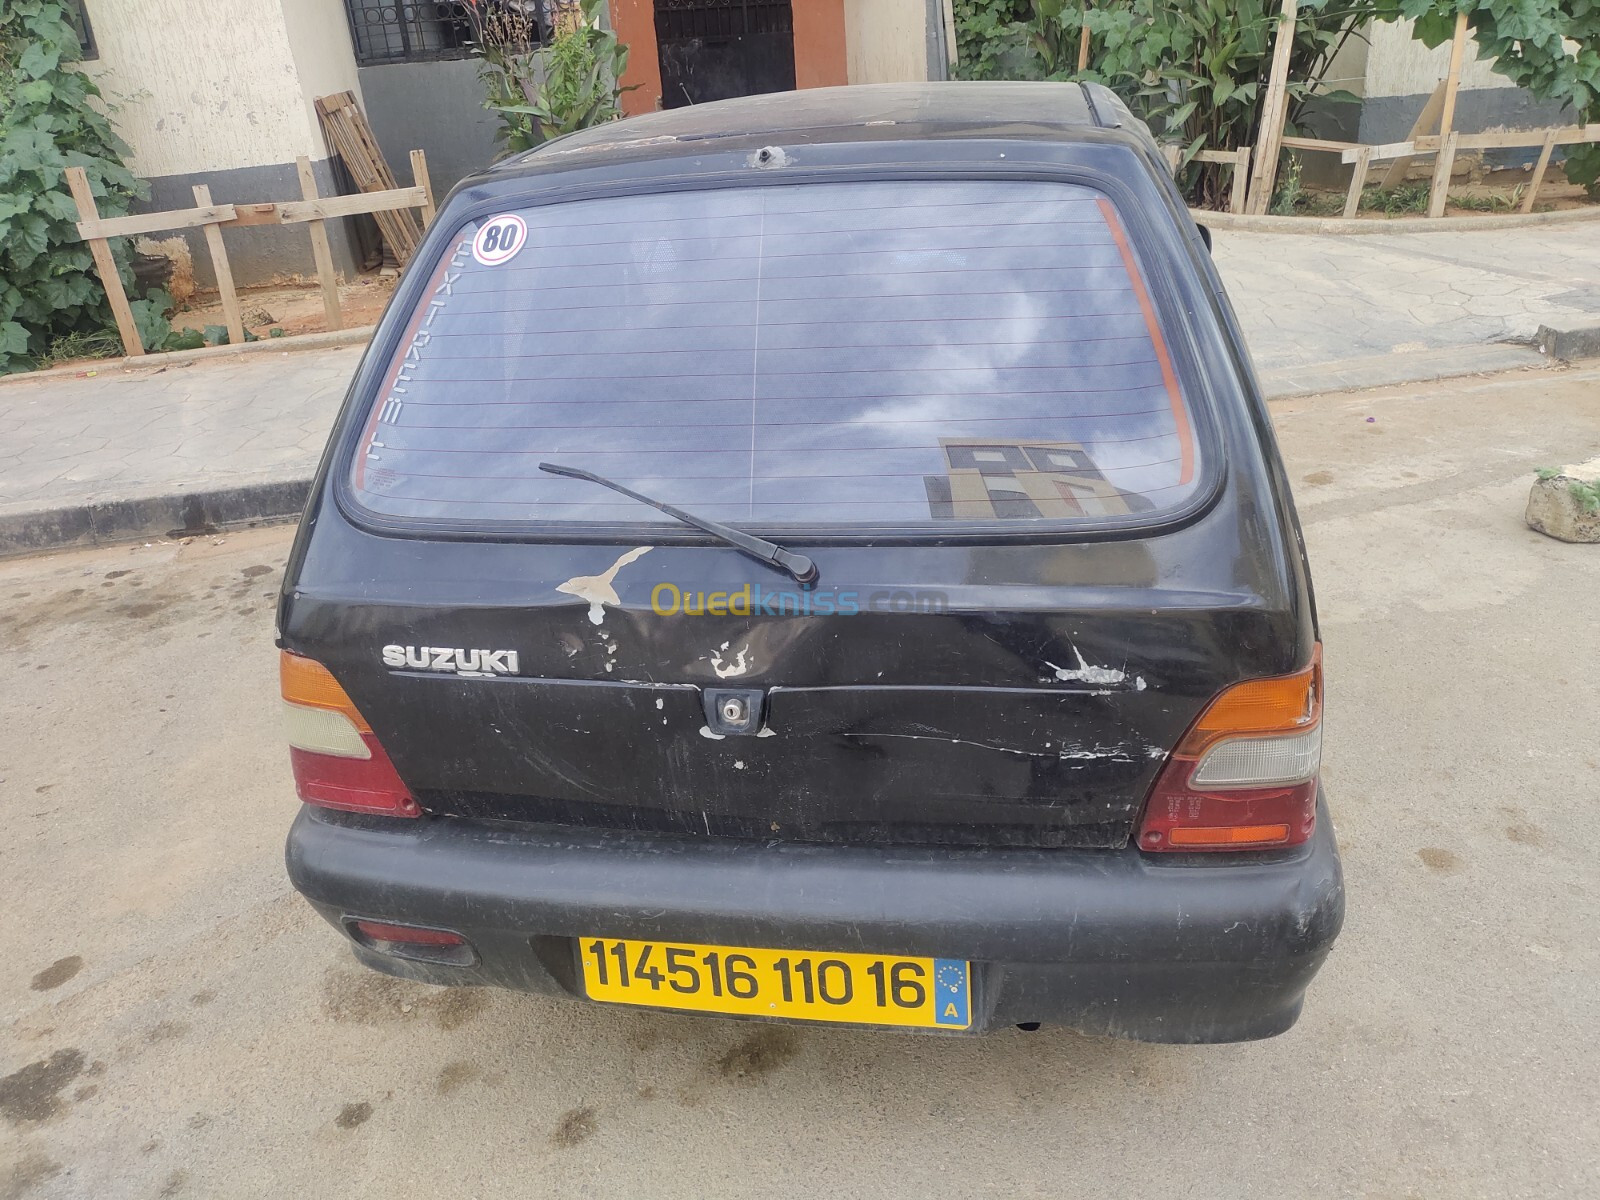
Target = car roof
(861,112)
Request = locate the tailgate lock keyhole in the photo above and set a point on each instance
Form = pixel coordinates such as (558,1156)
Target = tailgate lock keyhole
(733,710)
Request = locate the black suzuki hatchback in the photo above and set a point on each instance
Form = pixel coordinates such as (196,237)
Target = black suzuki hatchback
(819,557)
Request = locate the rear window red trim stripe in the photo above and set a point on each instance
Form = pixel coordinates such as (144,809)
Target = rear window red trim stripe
(1180,414)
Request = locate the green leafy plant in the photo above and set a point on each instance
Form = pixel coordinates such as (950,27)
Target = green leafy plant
(992,40)
(543,90)
(1289,192)
(1405,198)
(1488,201)
(1549,47)
(1196,70)
(49,121)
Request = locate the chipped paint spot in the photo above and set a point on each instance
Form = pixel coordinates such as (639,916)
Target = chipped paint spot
(599,590)
(1084,673)
(705,732)
(738,666)
(660,703)
(739,765)
(768,733)
(1096,753)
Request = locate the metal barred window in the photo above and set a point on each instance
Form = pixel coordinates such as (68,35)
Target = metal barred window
(396,31)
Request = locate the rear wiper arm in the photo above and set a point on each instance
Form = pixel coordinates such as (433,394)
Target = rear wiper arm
(798,566)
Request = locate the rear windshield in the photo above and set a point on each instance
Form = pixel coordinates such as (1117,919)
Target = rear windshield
(924,354)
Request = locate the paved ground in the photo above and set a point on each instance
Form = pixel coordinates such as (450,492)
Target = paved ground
(1321,312)
(177,1023)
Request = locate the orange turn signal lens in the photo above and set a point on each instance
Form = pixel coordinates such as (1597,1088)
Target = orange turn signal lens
(1235,836)
(309,684)
(1277,704)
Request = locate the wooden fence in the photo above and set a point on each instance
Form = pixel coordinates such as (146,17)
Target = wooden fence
(311,210)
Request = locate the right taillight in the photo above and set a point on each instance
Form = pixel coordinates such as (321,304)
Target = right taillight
(337,761)
(1244,777)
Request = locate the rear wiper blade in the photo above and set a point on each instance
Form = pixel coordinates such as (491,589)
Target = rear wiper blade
(798,566)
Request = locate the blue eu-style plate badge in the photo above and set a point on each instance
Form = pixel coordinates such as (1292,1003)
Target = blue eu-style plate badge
(950,992)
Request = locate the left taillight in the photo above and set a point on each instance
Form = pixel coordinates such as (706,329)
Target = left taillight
(1244,777)
(337,761)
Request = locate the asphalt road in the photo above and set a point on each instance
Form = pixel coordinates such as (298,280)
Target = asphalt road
(177,1023)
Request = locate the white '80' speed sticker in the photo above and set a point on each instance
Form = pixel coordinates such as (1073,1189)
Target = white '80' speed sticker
(499,239)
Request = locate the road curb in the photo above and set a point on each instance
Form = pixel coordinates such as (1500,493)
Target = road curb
(1342,225)
(358,336)
(194,513)
(1568,344)
(178,515)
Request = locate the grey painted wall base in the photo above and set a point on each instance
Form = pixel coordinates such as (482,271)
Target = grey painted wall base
(1389,118)
(256,253)
(435,107)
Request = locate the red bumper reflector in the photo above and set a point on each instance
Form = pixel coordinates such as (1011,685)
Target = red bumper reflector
(364,785)
(383,931)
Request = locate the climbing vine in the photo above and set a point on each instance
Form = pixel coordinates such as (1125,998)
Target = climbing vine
(49,121)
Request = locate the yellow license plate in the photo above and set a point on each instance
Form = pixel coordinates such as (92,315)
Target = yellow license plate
(806,985)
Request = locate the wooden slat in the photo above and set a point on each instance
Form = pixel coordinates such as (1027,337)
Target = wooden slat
(419,176)
(1452,79)
(1307,143)
(1439,193)
(1241,180)
(1511,139)
(105,264)
(1083,42)
(178,218)
(329,207)
(231,315)
(320,250)
(1378,153)
(1214,156)
(348,135)
(1539,169)
(1274,112)
(255,214)
(1427,119)
(1358,181)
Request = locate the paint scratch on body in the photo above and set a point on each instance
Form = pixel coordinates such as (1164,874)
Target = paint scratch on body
(599,590)
(727,670)
(1084,673)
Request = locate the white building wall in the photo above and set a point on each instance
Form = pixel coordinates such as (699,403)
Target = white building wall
(1399,65)
(202,85)
(220,92)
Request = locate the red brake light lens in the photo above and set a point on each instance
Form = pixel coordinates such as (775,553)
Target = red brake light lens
(337,761)
(1244,777)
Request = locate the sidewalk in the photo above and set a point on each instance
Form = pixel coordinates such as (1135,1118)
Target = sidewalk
(196,443)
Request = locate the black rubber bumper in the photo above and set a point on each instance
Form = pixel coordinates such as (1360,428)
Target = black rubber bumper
(1199,948)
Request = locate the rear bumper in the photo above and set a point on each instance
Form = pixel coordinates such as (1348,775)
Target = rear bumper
(1159,948)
